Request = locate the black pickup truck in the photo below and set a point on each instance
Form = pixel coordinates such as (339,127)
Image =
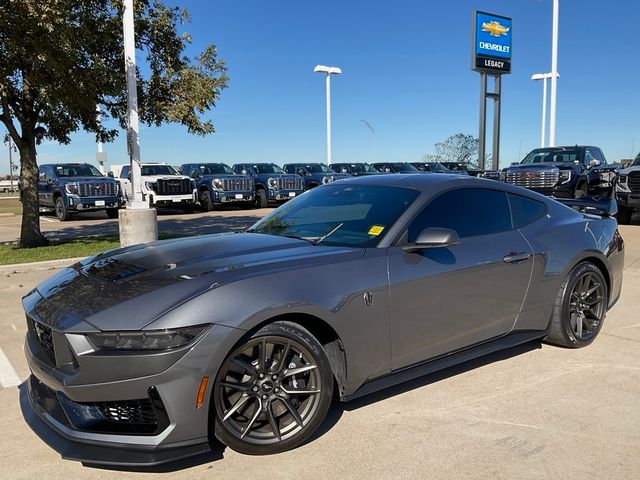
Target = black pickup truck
(628,191)
(69,188)
(564,172)
(272,183)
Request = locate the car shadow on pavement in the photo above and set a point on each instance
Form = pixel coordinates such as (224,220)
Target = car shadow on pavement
(338,408)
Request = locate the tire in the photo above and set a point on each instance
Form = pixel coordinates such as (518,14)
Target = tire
(187,208)
(112,212)
(261,198)
(256,412)
(61,210)
(205,201)
(624,215)
(567,326)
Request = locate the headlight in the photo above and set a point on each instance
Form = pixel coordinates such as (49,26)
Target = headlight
(146,340)
(217,183)
(623,182)
(565,176)
(149,185)
(71,188)
(273,183)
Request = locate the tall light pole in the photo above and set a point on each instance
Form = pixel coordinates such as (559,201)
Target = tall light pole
(373,140)
(328,71)
(543,77)
(554,72)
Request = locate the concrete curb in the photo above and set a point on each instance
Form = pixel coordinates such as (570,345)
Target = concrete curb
(35,266)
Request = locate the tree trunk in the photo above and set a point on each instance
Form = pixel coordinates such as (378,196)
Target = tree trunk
(30,234)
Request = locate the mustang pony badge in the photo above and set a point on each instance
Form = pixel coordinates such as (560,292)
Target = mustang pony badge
(494,28)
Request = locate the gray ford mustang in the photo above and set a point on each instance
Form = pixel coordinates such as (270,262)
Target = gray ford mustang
(144,354)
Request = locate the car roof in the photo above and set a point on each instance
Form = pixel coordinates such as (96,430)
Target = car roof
(444,181)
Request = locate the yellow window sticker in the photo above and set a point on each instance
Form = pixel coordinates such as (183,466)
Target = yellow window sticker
(376,230)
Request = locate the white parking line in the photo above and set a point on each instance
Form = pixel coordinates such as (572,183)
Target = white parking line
(50,220)
(8,376)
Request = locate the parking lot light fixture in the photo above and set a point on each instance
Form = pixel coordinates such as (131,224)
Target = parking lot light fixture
(328,71)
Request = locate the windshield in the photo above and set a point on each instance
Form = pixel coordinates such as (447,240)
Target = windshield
(77,170)
(339,215)
(148,170)
(551,156)
(404,167)
(267,168)
(431,167)
(636,162)
(318,168)
(214,169)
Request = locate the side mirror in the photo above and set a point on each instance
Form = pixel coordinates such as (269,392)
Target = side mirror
(194,175)
(302,173)
(594,163)
(129,176)
(110,174)
(244,172)
(433,238)
(515,163)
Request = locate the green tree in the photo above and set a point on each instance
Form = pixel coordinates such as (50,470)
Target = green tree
(458,148)
(59,59)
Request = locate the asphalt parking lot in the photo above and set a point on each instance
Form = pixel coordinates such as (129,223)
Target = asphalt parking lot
(536,411)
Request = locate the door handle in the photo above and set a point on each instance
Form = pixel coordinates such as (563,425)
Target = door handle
(515,257)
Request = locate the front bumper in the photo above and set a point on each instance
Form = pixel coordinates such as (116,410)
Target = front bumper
(627,199)
(219,196)
(283,195)
(75,202)
(171,201)
(89,401)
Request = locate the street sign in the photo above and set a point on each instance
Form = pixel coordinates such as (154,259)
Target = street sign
(491,49)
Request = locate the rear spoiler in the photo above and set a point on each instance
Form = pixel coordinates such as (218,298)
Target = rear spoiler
(606,207)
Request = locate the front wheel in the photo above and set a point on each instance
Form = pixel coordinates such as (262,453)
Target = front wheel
(580,308)
(61,210)
(205,201)
(261,198)
(624,215)
(273,391)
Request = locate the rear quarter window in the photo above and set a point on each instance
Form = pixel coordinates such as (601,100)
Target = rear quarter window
(525,210)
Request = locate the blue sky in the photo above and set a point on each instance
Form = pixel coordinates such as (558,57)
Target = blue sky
(406,70)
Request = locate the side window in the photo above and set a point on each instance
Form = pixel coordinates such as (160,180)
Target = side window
(470,212)
(596,155)
(524,210)
(124,172)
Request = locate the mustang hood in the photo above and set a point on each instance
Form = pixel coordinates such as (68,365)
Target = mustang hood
(127,288)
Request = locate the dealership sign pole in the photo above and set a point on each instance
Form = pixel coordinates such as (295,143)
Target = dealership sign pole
(491,57)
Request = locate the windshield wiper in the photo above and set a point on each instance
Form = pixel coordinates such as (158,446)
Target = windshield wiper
(327,233)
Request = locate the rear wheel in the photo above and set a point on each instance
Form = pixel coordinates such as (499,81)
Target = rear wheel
(261,198)
(580,308)
(273,391)
(61,210)
(205,201)
(624,215)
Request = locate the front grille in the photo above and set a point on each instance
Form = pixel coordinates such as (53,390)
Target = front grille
(291,183)
(634,182)
(44,337)
(129,411)
(178,186)
(97,189)
(236,184)
(533,180)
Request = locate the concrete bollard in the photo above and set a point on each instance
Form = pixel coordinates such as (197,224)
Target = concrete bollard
(139,225)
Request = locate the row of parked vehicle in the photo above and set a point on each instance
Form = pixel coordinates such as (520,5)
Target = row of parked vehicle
(563,172)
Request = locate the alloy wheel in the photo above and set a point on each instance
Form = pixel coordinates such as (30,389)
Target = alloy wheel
(268,390)
(587,305)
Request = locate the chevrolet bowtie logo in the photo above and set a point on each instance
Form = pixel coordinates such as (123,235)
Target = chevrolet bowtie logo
(494,28)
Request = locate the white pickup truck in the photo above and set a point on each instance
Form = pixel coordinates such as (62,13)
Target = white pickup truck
(162,186)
